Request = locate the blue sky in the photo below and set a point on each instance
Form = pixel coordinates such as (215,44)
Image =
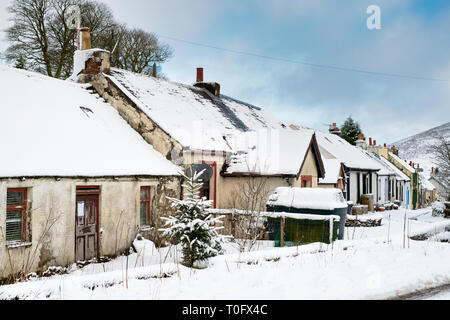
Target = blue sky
(414,40)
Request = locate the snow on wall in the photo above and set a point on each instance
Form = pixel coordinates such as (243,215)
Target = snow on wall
(308,198)
(51,127)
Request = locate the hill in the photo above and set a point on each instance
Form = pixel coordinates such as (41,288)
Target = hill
(414,148)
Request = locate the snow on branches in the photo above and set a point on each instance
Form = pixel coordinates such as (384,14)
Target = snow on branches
(192,226)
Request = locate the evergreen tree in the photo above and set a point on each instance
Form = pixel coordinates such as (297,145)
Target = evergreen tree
(192,226)
(21,63)
(350,130)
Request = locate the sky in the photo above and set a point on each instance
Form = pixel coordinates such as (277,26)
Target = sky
(414,40)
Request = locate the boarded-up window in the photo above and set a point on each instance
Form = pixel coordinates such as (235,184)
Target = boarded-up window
(16,201)
(145,206)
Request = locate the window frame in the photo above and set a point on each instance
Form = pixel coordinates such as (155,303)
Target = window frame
(22,208)
(306,178)
(148,201)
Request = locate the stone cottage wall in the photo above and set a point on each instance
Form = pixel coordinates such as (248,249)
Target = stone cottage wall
(54,201)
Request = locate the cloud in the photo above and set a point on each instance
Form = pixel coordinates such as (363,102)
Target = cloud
(414,40)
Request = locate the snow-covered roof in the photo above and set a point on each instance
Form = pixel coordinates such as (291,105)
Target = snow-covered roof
(402,162)
(308,198)
(191,115)
(50,127)
(400,176)
(351,156)
(332,171)
(426,184)
(269,152)
(385,169)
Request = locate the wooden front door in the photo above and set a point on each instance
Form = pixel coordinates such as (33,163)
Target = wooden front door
(87,216)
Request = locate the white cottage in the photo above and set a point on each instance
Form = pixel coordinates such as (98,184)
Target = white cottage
(76,182)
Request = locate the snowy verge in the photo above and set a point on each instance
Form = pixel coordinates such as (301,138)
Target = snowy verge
(428,231)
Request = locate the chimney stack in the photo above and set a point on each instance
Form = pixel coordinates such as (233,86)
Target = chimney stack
(212,87)
(85,39)
(361,142)
(199,74)
(89,62)
(333,129)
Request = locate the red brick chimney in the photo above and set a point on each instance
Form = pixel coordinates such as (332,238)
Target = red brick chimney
(374,142)
(199,74)
(212,87)
(370,141)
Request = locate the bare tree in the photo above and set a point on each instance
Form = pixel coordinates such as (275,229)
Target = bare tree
(41,33)
(250,197)
(137,50)
(441,150)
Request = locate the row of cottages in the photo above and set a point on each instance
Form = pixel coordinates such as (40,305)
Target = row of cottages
(392,184)
(402,183)
(242,145)
(76,182)
(352,169)
(409,170)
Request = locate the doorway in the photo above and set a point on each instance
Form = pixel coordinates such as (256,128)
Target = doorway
(86,223)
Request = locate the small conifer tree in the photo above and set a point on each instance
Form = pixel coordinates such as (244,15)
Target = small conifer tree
(192,226)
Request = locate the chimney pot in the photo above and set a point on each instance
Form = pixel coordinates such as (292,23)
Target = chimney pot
(85,39)
(334,125)
(385,145)
(370,141)
(361,137)
(374,142)
(199,74)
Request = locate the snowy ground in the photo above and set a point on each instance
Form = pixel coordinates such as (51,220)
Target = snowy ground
(364,266)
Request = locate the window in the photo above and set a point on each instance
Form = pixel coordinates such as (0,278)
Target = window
(16,215)
(145,206)
(306,181)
